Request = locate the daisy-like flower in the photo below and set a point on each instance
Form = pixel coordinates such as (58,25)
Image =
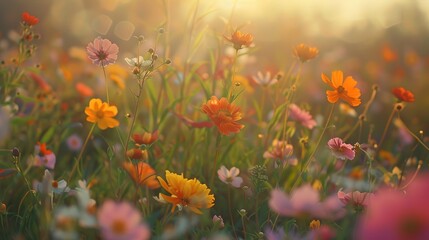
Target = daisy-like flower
(343,89)
(49,185)
(142,174)
(230,176)
(265,80)
(305,52)
(43,156)
(223,114)
(102,51)
(189,193)
(138,62)
(29,19)
(120,220)
(240,39)
(101,113)
(403,95)
(301,116)
(341,149)
(145,138)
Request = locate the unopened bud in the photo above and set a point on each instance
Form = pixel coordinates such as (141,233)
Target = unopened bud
(154,56)
(161,30)
(15,152)
(168,61)
(242,212)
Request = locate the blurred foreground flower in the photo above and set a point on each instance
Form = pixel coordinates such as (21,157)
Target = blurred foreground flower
(230,176)
(142,174)
(403,95)
(344,89)
(240,39)
(303,202)
(101,113)
(305,52)
(223,114)
(301,116)
(102,51)
(341,149)
(120,221)
(397,215)
(43,156)
(185,192)
(29,19)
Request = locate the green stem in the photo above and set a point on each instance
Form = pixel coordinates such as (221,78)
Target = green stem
(105,83)
(386,127)
(81,152)
(230,212)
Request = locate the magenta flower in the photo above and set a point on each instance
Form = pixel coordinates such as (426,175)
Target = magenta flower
(43,156)
(305,201)
(281,150)
(102,51)
(120,220)
(397,215)
(341,149)
(230,176)
(356,199)
(301,116)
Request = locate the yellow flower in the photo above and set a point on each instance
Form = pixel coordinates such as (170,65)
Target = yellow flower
(117,74)
(240,39)
(305,52)
(185,192)
(102,114)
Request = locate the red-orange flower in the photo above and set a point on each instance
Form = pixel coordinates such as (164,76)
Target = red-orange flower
(240,39)
(223,114)
(29,19)
(145,138)
(403,95)
(142,174)
(305,52)
(344,89)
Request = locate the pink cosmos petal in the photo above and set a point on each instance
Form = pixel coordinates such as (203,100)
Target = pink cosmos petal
(237,182)
(280,203)
(234,172)
(301,116)
(340,149)
(102,51)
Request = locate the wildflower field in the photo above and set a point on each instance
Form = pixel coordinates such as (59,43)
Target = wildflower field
(225,119)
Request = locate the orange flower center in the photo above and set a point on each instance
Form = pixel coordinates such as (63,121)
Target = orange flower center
(118,227)
(54,184)
(100,114)
(340,89)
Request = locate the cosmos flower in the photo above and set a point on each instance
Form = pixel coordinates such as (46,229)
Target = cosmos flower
(305,201)
(343,89)
(43,156)
(120,220)
(29,19)
(301,116)
(138,62)
(189,193)
(142,174)
(74,142)
(397,215)
(145,137)
(264,80)
(304,52)
(240,39)
(84,90)
(223,114)
(102,51)
(101,113)
(230,176)
(356,199)
(403,95)
(341,149)
(282,151)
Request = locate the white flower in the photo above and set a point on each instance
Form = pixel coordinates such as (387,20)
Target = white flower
(264,80)
(230,176)
(138,62)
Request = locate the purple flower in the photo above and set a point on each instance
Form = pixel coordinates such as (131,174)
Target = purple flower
(305,201)
(120,221)
(230,176)
(277,234)
(102,51)
(301,116)
(341,149)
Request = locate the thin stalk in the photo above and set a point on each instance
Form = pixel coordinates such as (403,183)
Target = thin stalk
(230,212)
(81,152)
(106,83)
(217,150)
(387,127)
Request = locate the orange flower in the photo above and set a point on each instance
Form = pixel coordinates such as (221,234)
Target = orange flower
(223,114)
(83,90)
(29,19)
(145,138)
(403,95)
(185,192)
(305,52)
(142,174)
(344,89)
(102,114)
(240,39)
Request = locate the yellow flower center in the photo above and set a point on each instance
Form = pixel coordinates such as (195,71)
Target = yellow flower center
(118,227)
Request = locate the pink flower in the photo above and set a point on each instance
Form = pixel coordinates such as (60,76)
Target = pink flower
(397,215)
(230,176)
(102,51)
(219,221)
(305,201)
(281,150)
(43,156)
(356,199)
(74,142)
(301,116)
(120,220)
(340,149)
